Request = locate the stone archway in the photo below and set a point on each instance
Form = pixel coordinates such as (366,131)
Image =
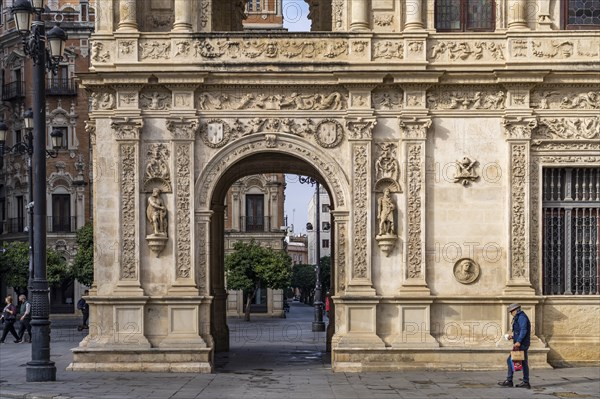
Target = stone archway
(253,155)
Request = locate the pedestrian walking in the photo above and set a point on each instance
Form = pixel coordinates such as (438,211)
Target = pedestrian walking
(521,336)
(9,317)
(85,311)
(24,318)
(327,305)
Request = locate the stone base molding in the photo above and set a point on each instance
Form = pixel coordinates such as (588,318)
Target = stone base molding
(359,331)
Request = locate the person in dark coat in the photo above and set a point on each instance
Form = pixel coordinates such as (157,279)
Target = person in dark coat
(24,318)
(9,317)
(521,336)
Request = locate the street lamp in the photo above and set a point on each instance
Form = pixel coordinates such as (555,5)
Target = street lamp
(318,324)
(40,368)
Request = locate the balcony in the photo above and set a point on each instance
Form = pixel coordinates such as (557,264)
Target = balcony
(60,224)
(13,91)
(61,87)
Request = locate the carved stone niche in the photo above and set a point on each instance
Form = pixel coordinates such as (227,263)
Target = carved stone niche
(156,214)
(157,172)
(386,223)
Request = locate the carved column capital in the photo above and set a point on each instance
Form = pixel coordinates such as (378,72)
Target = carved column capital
(414,128)
(90,128)
(361,129)
(127,129)
(183,128)
(519,128)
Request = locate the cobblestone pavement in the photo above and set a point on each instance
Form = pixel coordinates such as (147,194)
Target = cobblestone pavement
(275,358)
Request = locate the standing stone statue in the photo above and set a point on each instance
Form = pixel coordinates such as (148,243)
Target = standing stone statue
(386,208)
(157,213)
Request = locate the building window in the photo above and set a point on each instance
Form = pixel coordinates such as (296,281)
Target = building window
(255,204)
(464,15)
(581,14)
(571,231)
(324,208)
(61,212)
(325,244)
(20,214)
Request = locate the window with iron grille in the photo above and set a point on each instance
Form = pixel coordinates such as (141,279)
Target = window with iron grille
(581,14)
(255,205)
(465,15)
(571,231)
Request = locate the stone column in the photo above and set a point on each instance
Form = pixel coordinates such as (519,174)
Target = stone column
(518,135)
(517,15)
(219,329)
(182,141)
(127,15)
(413,11)
(360,15)
(183,16)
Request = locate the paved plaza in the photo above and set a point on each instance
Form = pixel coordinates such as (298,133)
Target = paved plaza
(275,358)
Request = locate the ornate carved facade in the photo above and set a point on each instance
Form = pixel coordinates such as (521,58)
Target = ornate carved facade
(384,104)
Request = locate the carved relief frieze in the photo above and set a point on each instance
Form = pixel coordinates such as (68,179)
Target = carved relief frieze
(415,179)
(156,100)
(182,128)
(384,21)
(388,49)
(127,155)
(387,98)
(587,48)
(542,145)
(338,14)
(552,48)
(387,168)
(341,257)
(297,127)
(519,210)
(202,258)
(103,100)
(183,154)
(466,97)
(160,22)
(100,52)
(157,173)
(452,51)
(360,210)
(519,128)
(519,48)
(415,47)
(126,46)
(569,128)
(278,99)
(573,97)
(359,46)
(361,129)
(127,129)
(155,50)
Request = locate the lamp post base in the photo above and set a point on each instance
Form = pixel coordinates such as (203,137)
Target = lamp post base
(318,326)
(39,371)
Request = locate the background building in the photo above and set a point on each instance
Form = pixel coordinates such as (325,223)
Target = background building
(69,188)
(324,228)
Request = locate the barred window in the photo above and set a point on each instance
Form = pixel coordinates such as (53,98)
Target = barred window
(464,15)
(571,231)
(581,14)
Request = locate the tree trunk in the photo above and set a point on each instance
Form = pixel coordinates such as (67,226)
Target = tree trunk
(248,302)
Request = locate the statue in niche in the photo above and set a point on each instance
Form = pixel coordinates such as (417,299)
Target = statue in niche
(157,168)
(385,214)
(157,213)
(466,271)
(465,172)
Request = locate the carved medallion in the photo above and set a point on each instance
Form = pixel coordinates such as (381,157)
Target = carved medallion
(329,133)
(466,271)
(215,133)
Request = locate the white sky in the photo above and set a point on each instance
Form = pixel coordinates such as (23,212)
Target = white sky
(295,16)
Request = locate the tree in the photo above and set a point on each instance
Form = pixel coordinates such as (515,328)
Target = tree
(83,266)
(250,266)
(14,266)
(325,275)
(303,277)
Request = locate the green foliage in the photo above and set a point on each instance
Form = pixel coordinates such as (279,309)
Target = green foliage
(14,266)
(325,275)
(303,277)
(250,264)
(83,266)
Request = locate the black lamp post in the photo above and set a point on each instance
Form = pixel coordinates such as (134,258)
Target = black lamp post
(40,368)
(318,324)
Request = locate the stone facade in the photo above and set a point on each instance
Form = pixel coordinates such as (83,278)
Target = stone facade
(433,147)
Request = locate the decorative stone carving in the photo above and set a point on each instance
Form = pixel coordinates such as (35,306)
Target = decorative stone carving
(519,48)
(155,50)
(102,101)
(465,171)
(569,128)
(258,125)
(90,129)
(467,50)
(181,128)
(415,179)
(157,173)
(289,100)
(386,215)
(461,97)
(129,269)
(215,133)
(361,129)
(519,128)
(182,202)
(271,140)
(387,98)
(127,129)
(552,49)
(519,211)
(99,53)
(126,46)
(329,133)
(415,128)
(156,100)
(160,22)
(360,157)
(384,20)
(556,97)
(388,49)
(466,271)
(156,213)
(341,258)
(337,8)
(589,100)
(387,169)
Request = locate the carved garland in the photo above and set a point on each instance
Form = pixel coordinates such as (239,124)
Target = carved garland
(128,206)
(360,211)
(414,175)
(202,258)
(182,152)
(342,258)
